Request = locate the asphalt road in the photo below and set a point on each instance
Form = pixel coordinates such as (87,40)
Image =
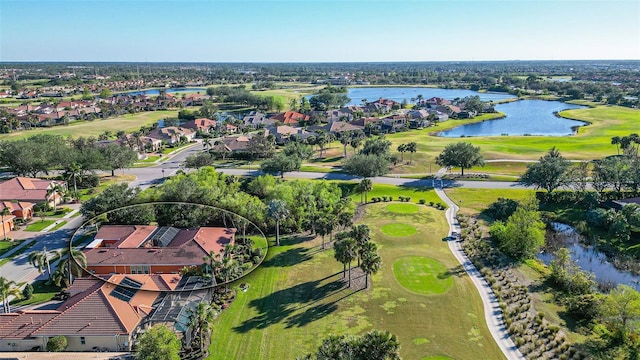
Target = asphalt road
(19,269)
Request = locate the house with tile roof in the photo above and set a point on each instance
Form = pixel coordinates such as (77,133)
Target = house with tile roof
(172,134)
(291,118)
(30,190)
(202,124)
(20,209)
(97,314)
(141,249)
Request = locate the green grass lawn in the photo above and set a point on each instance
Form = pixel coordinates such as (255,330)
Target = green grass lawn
(398,229)
(39,225)
(403,208)
(105,181)
(41,293)
(19,252)
(380,190)
(128,123)
(150,159)
(8,245)
(473,201)
(53,213)
(60,224)
(296,298)
(422,275)
(169,150)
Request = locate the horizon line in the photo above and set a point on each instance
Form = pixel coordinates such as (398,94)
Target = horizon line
(300,62)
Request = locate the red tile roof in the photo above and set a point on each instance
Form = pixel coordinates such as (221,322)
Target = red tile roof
(25,189)
(126,236)
(187,248)
(291,117)
(22,324)
(93,311)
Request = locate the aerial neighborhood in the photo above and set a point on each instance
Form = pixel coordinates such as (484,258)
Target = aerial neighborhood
(266,211)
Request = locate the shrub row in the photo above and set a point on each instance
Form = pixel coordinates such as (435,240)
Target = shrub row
(535,337)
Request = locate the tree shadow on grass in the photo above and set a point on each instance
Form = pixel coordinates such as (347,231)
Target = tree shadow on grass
(288,258)
(456,271)
(278,306)
(295,240)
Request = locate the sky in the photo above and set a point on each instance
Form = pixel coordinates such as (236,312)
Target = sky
(318,31)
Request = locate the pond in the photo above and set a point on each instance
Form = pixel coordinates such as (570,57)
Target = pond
(157,91)
(588,258)
(523,117)
(407,93)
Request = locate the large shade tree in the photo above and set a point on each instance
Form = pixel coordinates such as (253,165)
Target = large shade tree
(461,154)
(548,173)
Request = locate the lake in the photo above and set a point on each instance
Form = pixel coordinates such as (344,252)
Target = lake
(523,117)
(586,257)
(171,90)
(407,93)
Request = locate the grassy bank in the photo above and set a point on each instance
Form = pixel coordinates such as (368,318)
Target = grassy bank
(591,142)
(128,123)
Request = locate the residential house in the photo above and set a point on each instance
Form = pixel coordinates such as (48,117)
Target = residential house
(334,115)
(172,134)
(230,129)
(97,315)
(385,104)
(394,122)
(31,190)
(337,127)
(20,209)
(231,145)
(434,101)
(140,249)
(291,118)
(203,124)
(351,109)
(257,119)
(284,133)
(6,225)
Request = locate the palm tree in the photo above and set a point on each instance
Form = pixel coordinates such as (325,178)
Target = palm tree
(52,191)
(370,260)
(345,139)
(402,148)
(366,185)
(277,210)
(616,141)
(72,262)
(361,234)
(381,345)
(200,320)
(8,288)
(213,264)
(206,143)
(345,252)
(4,212)
(73,172)
(355,143)
(411,148)
(324,227)
(40,260)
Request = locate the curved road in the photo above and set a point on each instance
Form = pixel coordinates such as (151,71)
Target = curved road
(492,312)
